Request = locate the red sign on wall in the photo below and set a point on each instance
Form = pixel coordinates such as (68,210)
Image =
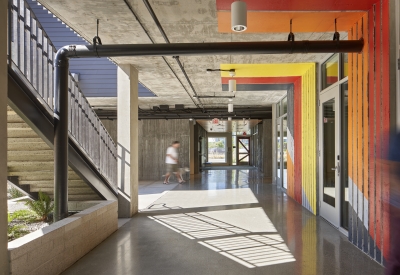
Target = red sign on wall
(244,133)
(215,121)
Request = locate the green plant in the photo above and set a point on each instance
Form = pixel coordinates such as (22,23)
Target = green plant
(42,207)
(15,193)
(14,231)
(24,215)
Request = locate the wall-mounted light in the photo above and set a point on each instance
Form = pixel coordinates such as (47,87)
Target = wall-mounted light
(238,16)
(230,100)
(190,119)
(230,108)
(232,85)
(229,119)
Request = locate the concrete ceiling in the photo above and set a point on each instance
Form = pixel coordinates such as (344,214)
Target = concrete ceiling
(183,21)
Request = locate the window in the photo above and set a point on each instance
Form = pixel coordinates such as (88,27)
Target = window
(330,71)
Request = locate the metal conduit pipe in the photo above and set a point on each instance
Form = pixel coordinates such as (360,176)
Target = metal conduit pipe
(164,35)
(219,48)
(61,65)
(165,60)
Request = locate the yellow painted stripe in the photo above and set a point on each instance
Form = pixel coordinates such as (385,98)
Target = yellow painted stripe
(309,138)
(266,70)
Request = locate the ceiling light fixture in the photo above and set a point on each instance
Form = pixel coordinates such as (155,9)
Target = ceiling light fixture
(232,85)
(238,16)
(230,108)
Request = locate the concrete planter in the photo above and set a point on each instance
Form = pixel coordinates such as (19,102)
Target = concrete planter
(54,248)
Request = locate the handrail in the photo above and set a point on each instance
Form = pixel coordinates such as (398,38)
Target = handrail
(31,50)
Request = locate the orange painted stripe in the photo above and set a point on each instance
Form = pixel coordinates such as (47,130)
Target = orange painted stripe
(350,113)
(378,121)
(386,124)
(278,22)
(371,176)
(365,105)
(360,125)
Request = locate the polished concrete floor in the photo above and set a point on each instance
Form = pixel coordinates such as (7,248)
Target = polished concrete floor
(224,222)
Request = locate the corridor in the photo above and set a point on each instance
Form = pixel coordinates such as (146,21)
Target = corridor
(225,222)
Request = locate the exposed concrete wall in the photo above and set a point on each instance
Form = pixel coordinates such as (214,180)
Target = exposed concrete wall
(155,137)
(4,264)
(128,180)
(54,248)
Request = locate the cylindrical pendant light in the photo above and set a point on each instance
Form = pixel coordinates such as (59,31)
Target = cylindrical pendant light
(232,85)
(230,108)
(238,16)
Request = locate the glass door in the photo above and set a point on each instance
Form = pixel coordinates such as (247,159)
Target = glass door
(329,155)
(284,152)
(278,153)
(243,150)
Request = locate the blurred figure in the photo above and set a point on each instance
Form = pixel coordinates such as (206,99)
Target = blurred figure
(172,161)
(393,264)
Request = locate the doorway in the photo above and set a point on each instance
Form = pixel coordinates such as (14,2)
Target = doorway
(281,152)
(333,176)
(217,149)
(243,150)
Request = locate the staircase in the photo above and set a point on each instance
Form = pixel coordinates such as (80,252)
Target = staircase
(30,159)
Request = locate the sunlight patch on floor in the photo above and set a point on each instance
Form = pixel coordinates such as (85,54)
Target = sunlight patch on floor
(249,249)
(202,198)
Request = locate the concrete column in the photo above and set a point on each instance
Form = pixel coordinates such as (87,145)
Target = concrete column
(4,263)
(128,174)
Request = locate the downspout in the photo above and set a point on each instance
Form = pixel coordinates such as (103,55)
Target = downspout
(61,68)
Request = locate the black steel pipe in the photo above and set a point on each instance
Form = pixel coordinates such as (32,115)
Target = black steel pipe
(221,48)
(61,135)
(76,51)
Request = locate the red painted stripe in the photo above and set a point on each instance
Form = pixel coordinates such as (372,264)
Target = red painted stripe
(371,176)
(297,141)
(378,118)
(304,5)
(385,124)
(261,80)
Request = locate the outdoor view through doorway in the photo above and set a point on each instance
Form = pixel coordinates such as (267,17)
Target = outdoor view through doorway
(217,149)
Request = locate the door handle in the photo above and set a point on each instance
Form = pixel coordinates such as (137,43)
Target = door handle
(337,168)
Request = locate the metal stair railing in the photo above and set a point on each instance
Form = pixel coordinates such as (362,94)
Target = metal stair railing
(31,52)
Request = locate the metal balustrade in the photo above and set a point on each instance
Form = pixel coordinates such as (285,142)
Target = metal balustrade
(31,52)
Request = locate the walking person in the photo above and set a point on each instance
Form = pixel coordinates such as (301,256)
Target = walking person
(172,161)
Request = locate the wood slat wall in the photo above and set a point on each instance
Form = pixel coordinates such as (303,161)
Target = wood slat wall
(154,138)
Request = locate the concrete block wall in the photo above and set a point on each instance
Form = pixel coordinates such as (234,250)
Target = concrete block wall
(54,248)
